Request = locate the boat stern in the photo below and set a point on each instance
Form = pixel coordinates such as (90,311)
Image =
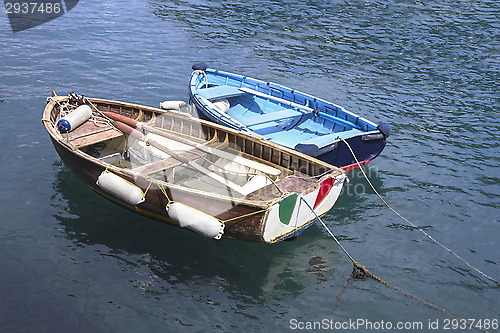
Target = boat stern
(291,215)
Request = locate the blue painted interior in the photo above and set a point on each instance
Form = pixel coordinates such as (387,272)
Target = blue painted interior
(278,121)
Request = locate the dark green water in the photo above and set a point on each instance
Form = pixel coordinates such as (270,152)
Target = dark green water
(71,262)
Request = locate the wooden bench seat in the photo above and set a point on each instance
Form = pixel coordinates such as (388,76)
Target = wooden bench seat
(88,134)
(270,117)
(219,92)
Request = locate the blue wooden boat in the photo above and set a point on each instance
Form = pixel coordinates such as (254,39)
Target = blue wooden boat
(286,116)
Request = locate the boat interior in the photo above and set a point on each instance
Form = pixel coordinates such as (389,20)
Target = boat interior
(207,162)
(272,117)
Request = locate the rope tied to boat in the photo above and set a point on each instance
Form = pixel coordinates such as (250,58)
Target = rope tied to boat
(359,272)
(164,191)
(97,117)
(147,189)
(103,120)
(409,222)
(223,222)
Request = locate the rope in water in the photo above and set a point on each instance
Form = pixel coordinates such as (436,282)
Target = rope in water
(412,224)
(361,271)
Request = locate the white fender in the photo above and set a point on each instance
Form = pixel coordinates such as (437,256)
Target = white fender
(222,105)
(195,220)
(172,105)
(120,188)
(74,119)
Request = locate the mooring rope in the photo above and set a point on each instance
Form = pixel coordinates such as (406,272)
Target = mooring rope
(360,271)
(412,224)
(331,234)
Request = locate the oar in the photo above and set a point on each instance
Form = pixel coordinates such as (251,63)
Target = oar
(124,124)
(138,135)
(214,151)
(145,128)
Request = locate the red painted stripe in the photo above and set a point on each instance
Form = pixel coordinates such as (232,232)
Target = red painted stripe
(324,188)
(355,165)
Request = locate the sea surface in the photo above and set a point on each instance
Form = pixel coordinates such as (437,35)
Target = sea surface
(73,262)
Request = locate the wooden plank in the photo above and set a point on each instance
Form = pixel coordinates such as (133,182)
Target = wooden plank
(94,138)
(157,166)
(270,117)
(88,133)
(219,92)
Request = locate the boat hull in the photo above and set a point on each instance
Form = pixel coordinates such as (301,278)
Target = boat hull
(155,201)
(364,137)
(365,152)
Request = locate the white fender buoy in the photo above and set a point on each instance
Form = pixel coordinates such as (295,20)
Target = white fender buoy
(222,105)
(74,119)
(195,220)
(172,105)
(120,188)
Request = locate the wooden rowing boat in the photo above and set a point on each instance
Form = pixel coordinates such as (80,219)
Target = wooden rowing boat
(191,173)
(286,116)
